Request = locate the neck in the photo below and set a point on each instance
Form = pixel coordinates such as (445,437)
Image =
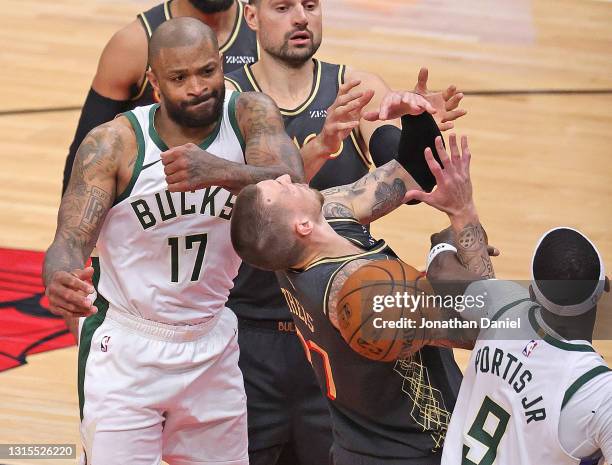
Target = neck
(326,243)
(174,134)
(571,328)
(281,81)
(221,23)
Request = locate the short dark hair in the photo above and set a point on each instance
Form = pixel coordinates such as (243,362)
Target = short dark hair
(566,267)
(259,234)
(180,32)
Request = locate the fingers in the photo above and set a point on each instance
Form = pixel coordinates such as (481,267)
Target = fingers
(493,251)
(453,102)
(453,115)
(421,87)
(345,99)
(391,100)
(420,196)
(434,166)
(454,149)
(371,116)
(181,186)
(171,155)
(445,126)
(466,154)
(343,90)
(449,92)
(446,162)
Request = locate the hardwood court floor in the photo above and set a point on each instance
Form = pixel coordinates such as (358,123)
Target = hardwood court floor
(539,160)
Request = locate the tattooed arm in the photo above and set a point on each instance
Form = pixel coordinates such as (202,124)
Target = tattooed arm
(90,194)
(269,152)
(371,197)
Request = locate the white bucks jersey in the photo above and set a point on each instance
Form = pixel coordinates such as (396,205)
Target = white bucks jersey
(511,397)
(164,256)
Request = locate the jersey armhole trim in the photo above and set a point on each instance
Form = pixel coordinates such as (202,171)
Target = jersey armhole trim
(140,143)
(585,378)
(507,307)
(231,110)
(234,83)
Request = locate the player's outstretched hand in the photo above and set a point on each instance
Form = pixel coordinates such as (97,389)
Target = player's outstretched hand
(453,192)
(343,115)
(396,104)
(67,293)
(188,168)
(445,103)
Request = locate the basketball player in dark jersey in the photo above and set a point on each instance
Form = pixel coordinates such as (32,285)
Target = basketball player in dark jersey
(120,83)
(391,412)
(304,88)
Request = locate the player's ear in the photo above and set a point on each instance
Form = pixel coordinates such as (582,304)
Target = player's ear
(153,80)
(304,227)
(250,16)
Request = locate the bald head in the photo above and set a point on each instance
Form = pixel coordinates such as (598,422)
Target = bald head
(182,32)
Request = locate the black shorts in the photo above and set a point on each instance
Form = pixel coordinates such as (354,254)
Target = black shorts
(340,456)
(288,418)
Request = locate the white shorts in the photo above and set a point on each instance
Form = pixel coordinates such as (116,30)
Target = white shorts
(149,391)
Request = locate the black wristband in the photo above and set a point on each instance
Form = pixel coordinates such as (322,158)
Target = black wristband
(97,110)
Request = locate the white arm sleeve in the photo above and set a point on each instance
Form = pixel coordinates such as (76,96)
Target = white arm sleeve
(494,294)
(585,424)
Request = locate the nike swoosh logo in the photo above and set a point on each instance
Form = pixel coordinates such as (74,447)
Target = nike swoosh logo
(144,167)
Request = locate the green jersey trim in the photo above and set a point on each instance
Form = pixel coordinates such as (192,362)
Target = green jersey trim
(505,308)
(161,145)
(231,111)
(140,143)
(588,376)
(552,340)
(91,324)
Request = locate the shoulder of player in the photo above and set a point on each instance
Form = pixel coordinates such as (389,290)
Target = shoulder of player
(339,279)
(230,84)
(116,140)
(124,58)
(368,80)
(256,110)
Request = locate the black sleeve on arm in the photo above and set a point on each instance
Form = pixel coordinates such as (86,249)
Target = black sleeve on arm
(384,144)
(408,146)
(97,110)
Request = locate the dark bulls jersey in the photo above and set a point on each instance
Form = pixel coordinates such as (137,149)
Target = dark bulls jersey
(397,410)
(240,49)
(256,294)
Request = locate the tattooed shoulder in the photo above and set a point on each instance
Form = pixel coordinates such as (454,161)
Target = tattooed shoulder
(336,286)
(337,210)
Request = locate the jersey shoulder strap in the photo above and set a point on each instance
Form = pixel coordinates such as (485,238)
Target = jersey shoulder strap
(151,19)
(581,381)
(241,79)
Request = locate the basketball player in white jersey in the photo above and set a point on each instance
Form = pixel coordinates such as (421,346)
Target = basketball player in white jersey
(540,393)
(158,358)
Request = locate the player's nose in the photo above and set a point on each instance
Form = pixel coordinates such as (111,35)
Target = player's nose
(299,16)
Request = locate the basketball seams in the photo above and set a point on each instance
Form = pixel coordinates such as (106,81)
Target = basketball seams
(394,284)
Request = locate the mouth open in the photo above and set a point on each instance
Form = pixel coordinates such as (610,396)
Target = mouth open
(300,37)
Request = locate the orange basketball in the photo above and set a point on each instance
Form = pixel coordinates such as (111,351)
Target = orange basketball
(382,334)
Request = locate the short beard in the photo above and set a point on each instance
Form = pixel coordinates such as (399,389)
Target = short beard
(295,58)
(212,6)
(178,113)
